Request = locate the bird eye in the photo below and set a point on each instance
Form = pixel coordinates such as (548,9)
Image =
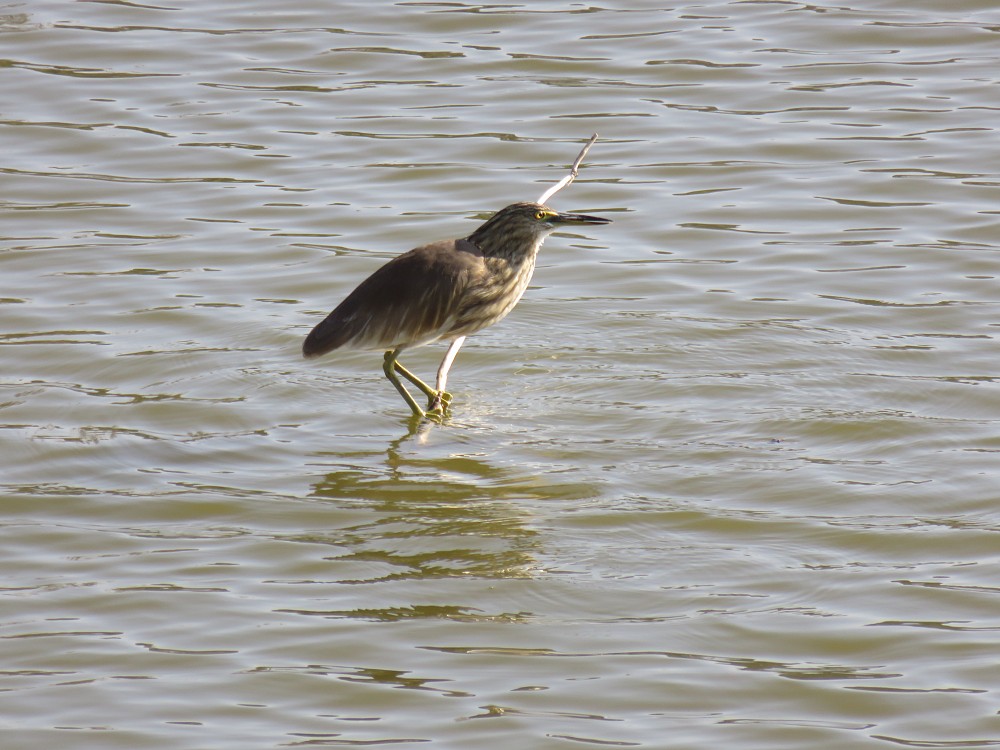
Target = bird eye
(541,215)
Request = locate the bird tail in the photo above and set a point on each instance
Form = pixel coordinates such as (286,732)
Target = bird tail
(329,334)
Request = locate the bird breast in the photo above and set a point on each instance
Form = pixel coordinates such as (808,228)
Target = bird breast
(495,294)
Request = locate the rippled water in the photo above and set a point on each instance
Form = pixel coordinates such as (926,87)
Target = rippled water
(727,477)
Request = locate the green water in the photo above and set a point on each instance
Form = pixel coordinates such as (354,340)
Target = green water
(725,478)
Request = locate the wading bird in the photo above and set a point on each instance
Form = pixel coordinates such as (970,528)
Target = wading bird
(442,291)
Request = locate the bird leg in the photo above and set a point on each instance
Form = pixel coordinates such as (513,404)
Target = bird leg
(389,367)
(438,399)
(420,384)
(442,399)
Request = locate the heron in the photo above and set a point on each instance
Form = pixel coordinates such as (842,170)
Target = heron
(442,291)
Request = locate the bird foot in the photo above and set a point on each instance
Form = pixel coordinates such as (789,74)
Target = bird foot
(438,404)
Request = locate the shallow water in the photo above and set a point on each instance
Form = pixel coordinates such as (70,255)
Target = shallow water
(725,478)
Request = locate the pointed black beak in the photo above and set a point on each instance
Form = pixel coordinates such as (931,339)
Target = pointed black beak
(578,219)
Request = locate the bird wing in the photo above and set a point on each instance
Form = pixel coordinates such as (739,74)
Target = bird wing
(413,299)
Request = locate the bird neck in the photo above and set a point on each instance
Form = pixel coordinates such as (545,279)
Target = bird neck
(512,249)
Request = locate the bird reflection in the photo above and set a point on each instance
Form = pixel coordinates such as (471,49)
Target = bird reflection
(436,517)
(434,511)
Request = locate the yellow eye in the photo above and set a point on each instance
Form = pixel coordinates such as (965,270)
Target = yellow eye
(541,214)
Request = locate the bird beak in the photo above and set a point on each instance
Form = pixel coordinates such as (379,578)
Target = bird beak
(578,219)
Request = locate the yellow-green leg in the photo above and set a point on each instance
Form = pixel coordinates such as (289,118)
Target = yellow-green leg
(420,384)
(389,367)
(438,401)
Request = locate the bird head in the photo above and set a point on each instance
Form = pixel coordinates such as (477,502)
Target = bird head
(520,228)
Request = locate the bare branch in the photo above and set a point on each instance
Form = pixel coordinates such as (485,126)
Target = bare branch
(572,172)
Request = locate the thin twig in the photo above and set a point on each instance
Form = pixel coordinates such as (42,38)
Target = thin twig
(572,172)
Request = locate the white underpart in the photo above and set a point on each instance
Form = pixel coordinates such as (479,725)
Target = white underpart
(523,277)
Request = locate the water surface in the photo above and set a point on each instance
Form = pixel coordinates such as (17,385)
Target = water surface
(725,478)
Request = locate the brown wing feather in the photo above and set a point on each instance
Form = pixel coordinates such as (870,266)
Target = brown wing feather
(408,301)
